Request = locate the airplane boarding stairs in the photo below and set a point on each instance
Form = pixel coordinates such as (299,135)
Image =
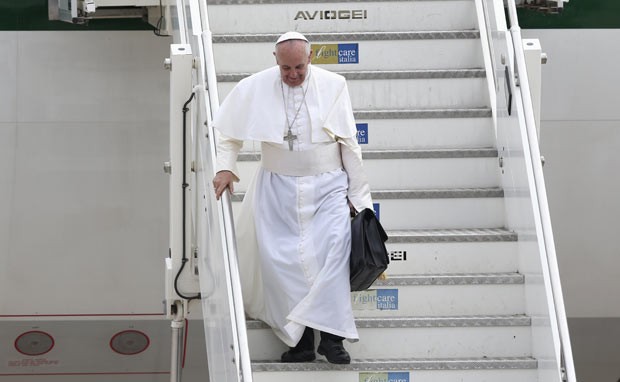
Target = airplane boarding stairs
(455,304)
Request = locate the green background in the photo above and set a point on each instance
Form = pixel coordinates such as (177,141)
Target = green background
(590,14)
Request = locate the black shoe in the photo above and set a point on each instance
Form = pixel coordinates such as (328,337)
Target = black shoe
(334,351)
(303,351)
(298,356)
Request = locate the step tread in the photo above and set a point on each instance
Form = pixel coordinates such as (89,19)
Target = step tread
(492,192)
(450,193)
(384,74)
(475,112)
(485,363)
(485,152)
(231,38)
(428,322)
(451,235)
(452,279)
(456,321)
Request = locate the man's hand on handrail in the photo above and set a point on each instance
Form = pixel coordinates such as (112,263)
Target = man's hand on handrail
(223,180)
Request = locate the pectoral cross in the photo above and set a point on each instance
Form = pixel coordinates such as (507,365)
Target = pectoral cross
(290,137)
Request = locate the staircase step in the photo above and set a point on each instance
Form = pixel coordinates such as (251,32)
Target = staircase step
(386,51)
(456,193)
(419,93)
(440,168)
(426,133)
(486,152)
(442,295)
(431,171)
(427,322)
(455,208)
(509,369)
(436,337)
(430,251)
(452,257)
(491,250)
(464,168)
(417,131)
(383,75)
(444,213)
(275,16)
(416,93)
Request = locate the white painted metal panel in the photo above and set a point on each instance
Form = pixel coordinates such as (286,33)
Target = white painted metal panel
(432,173)
(8,68)
(470,257)
(8,150)
(446,300)
(90,378)
(343,17)
(418,93)
(590,53)
(441,213)
(89,207)
(82,349)
(584,212)
(85,347)
(114,76)
(429,133)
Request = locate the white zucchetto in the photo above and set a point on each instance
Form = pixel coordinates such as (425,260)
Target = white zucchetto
(291,36)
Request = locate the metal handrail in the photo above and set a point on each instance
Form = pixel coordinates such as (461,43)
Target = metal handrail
(195,14)
(543,206)
(225,205)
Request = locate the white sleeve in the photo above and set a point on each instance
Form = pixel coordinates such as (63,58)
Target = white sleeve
(227,151)
(359,190)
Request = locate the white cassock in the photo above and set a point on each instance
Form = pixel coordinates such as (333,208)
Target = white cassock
(293,228)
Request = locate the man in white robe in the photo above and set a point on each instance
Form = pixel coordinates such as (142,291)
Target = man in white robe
(293,231)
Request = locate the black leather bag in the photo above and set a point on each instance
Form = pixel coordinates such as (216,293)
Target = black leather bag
(369,257)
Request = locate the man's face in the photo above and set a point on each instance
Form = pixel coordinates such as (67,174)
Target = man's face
(293,60)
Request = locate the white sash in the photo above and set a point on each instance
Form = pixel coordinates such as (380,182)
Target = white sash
(324,158)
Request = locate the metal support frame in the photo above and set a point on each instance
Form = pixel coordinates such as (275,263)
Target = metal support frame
(533,63)
(178,332)
(180,65)
(179,278)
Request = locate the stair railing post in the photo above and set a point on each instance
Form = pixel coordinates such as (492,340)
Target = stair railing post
(178,331)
